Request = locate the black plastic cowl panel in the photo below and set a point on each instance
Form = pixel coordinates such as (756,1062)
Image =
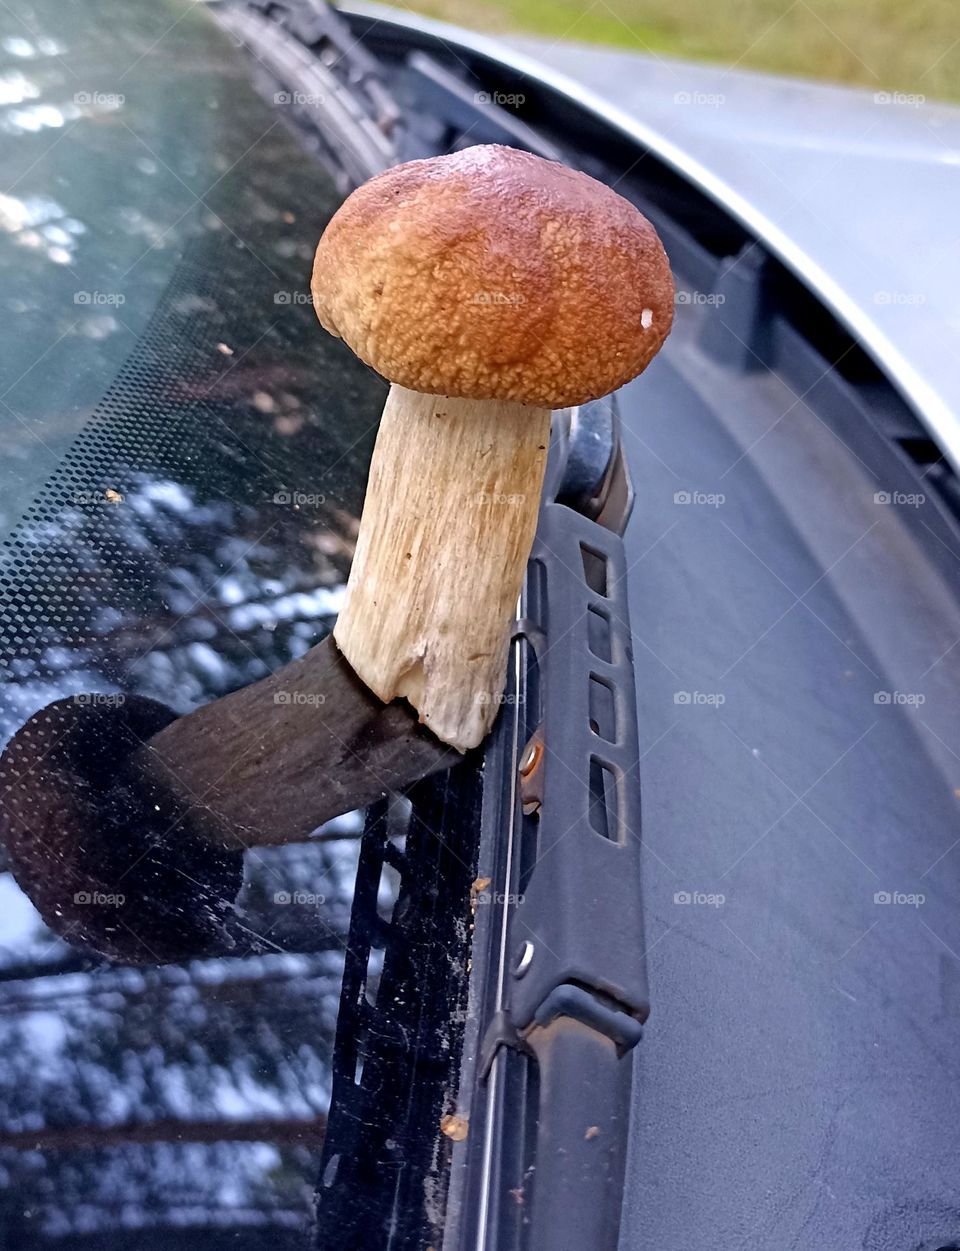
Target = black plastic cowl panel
(581,910)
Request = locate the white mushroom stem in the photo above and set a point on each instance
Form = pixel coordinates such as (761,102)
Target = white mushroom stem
(448,523)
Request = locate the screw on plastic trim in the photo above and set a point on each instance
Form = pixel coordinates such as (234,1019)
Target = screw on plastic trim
(530,758)
(525,960)
(531,775)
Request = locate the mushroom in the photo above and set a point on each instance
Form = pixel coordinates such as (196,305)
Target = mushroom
(489,287)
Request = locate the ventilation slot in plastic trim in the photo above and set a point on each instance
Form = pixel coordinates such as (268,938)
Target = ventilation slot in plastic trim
(603,800)
(594,569)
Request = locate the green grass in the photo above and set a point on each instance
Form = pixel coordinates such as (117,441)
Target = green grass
(910,46)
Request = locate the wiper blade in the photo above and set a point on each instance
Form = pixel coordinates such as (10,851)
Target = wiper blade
(329,88)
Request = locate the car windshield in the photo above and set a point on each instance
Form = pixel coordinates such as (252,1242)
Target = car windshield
(185,456)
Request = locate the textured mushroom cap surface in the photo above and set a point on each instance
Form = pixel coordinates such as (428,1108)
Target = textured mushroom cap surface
(494,274)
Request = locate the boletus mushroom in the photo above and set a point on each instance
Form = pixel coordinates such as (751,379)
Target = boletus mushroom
(489,287)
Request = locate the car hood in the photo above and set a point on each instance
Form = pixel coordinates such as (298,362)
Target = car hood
(851,189)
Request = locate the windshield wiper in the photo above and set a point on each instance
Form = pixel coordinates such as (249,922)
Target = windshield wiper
(500,1070)
(328,87)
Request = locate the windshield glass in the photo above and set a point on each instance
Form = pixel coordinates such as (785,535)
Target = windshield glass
(185,455)
(104,158)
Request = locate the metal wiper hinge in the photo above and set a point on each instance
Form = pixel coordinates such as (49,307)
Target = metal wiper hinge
(588,470)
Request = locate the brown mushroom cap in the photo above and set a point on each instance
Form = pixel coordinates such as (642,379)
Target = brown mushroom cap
(494,274)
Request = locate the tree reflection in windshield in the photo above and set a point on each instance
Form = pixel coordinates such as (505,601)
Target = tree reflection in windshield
(181,538)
